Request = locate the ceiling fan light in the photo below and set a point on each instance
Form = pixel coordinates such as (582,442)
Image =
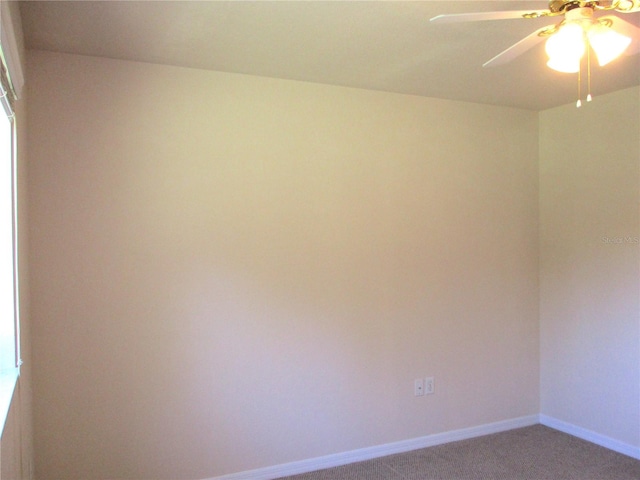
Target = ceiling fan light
(564,65)
(565,48)
(607,43)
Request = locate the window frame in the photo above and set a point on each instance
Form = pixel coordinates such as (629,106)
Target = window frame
(9,376)
(11,84)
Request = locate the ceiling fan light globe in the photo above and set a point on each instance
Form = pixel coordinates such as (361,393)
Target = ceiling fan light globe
(564,65)
(565,48)
(607,43)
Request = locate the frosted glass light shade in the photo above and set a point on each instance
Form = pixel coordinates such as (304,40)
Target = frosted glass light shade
(565,48)
(607,43)
(564,65)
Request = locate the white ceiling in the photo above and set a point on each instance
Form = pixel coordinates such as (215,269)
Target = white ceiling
(380,45)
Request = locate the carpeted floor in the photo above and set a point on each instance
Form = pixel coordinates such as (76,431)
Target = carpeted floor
(531,453)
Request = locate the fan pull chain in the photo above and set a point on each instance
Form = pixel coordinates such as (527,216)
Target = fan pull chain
(588,74)
(589,98)
(579,102)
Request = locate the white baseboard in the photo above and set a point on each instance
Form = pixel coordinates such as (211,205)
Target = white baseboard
(591,436)
(338,459)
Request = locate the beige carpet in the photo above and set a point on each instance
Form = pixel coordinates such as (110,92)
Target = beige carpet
(531,453)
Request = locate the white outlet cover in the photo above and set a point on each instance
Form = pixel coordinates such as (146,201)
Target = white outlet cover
(418,387)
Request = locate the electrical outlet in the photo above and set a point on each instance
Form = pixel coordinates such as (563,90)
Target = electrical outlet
(429,386)
(418,387)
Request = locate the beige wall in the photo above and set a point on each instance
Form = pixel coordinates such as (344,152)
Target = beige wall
(590,265)
(231,272)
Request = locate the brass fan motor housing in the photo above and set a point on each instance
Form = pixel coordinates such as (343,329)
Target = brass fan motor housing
(559,7)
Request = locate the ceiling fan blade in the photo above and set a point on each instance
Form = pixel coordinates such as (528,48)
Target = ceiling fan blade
(474,17)
(519,48)
(627,29)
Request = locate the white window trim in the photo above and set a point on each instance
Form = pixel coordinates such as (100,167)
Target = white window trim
(9,377)
(10,56)
(10,50)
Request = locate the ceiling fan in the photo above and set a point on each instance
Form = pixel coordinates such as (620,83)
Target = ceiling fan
(609,36)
